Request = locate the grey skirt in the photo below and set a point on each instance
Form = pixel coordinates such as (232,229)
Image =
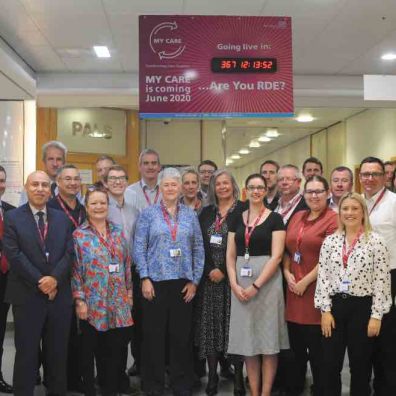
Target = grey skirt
(258,327)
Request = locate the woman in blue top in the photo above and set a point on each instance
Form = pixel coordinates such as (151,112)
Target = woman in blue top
(169,256)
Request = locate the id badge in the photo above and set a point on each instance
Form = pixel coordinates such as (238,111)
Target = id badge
(297,257)
(216,239)
(246,272)
(175,252)
(114,268)
(344,286)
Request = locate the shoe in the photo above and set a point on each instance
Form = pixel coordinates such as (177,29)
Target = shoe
(211,387)
(4,387)
(133,371)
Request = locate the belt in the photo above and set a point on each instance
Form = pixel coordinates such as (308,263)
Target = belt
(345,296)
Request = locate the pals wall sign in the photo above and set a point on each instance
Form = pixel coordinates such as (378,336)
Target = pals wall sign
(215,66)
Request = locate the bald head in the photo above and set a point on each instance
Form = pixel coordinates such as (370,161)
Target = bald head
(38,189)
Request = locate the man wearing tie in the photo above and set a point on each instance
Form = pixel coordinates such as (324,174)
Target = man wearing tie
(4,206)
(37,243)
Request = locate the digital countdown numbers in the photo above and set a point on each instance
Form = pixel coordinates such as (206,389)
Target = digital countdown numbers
(244,65)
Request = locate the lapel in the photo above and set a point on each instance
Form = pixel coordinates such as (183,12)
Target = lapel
(33,226)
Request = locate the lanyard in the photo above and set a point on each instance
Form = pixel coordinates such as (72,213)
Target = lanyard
(146,195)
(303,227)
(109,245)
(291,206)
(248,233)
(43,236)
(71,218)
(346,253)
(172,229)
(378,200)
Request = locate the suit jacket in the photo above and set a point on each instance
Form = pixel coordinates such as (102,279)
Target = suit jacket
(302,205)
(6,207)
(27,256)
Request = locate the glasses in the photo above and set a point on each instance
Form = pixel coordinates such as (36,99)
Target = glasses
(314,192)
(287,179)
(256,188)
(208,172)
(374,175)
(114,179)
(68,179)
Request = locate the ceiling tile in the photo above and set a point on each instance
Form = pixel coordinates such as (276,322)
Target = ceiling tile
(143,6)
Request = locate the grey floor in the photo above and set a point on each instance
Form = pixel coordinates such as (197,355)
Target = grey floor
(225,387)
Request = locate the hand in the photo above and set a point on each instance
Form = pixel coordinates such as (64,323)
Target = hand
(327,324)
(47,284)
(291,280)
(216,276)
(239,293)
(148,289)
(130,299)
(189,292)
(374,327)
(300,287)
(81,310)
(52,295)
(250,292)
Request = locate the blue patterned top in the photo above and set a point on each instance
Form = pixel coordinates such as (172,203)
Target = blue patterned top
(153,242)
(105,292)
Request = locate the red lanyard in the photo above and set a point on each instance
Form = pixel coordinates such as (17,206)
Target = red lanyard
(147,197)
(110,246)
(378,200)
(43,236)
(71,218)
(346,253)
(304,225)
(292,204)
(173,230)
(248,233)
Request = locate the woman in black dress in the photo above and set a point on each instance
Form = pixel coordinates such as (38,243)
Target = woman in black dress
(214,293)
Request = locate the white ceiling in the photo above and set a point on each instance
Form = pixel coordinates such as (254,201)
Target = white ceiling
(330,37)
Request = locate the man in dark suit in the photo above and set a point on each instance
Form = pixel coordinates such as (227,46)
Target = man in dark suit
(37,243)
(4,307)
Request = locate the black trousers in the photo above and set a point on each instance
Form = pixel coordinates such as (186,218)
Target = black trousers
(34,319)
(384,358)
(74,372)
(351,315)
(111,343)
(137,333)
(167,315)
(4,307)
(306,345)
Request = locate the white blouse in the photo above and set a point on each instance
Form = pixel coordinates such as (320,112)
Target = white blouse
(367,271)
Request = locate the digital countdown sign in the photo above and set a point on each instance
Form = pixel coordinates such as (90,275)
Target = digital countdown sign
(215,66)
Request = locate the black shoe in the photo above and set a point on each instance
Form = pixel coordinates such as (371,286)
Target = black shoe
(211,387)
(133,371)
(4,387)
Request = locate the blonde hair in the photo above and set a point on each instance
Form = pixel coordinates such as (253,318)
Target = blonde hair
(366,220)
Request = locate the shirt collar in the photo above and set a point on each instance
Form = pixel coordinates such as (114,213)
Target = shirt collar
(145,186)
(35,210)
(375,196)
(114,202)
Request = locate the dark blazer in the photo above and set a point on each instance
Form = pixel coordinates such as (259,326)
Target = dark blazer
(27,257)
(302,205)
(6,207)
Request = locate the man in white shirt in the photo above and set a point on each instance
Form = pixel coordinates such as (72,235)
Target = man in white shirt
(381,205)
(291,200)
(341,181)
(147,189)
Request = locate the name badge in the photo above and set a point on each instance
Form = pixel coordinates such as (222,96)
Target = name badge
(114,268)
(175,252)
(216,239)
(344,286)
(297,257)
(246,272)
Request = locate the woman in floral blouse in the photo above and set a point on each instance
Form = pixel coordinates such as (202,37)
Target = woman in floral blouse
(102,290)
(353,293)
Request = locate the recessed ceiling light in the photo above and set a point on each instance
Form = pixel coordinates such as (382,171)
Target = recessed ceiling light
(264,139)
(305,118)
(229,161)
(272,133)
(389,56)
(102,51)
(254,144)
(235,156)
(244,151)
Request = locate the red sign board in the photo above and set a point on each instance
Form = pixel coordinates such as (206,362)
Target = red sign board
(215,66)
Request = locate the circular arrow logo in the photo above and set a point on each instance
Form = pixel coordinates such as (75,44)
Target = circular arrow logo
(164,42)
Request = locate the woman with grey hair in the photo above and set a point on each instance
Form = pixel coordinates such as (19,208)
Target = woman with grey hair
(212,314)
(169,256)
